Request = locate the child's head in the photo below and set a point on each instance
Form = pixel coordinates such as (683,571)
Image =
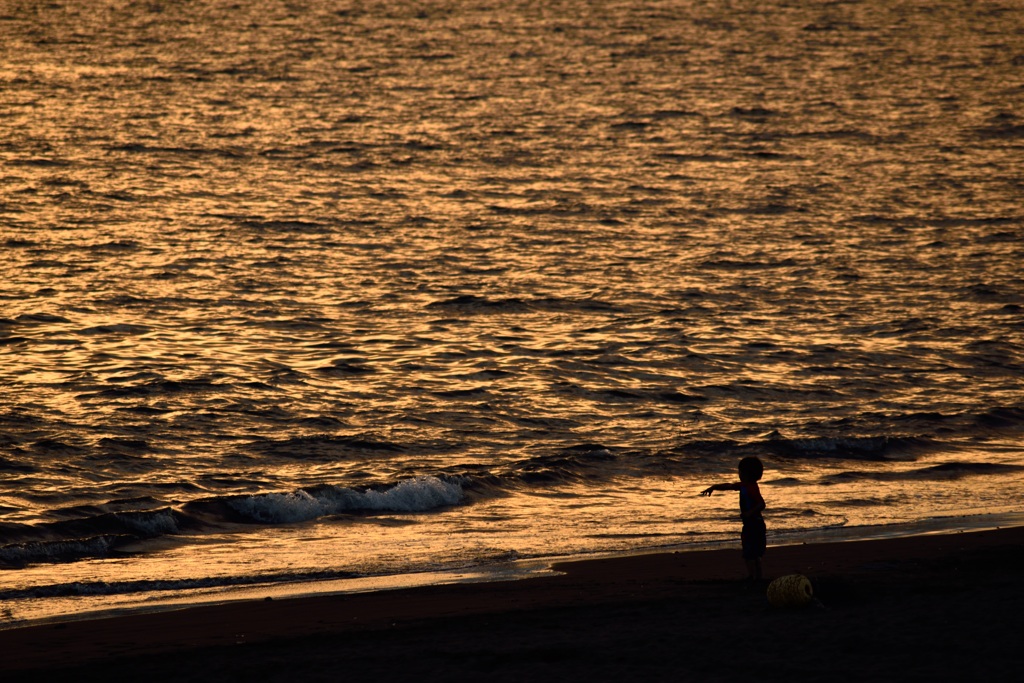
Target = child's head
(751,469)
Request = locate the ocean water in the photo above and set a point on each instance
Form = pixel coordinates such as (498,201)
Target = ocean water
(367,292)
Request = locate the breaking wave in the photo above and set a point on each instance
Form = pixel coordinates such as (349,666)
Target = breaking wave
(102,535)
(411,495)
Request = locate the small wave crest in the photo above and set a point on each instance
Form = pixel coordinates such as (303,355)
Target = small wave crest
(411,495)
(136,525)
(878,447)
(473,303)
(943,471)
(572,464)
(39,552)
(851,448)
(1002,418)
(325,446)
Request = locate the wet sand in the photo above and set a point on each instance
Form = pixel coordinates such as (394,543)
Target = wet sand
(940,607)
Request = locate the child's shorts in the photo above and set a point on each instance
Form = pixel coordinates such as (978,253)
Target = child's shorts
(755,539)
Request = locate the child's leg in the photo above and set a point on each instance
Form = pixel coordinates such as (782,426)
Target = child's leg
(754,569)
(755,542)
(754,539)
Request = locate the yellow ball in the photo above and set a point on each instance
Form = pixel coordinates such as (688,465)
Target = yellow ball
(790,591)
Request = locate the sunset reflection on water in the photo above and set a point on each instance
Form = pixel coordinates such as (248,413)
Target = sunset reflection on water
(561,263)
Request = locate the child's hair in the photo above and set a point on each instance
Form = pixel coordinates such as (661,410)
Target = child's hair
(751,469)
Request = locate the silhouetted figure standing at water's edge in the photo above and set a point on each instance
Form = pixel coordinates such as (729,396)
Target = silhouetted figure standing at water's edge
(754,534)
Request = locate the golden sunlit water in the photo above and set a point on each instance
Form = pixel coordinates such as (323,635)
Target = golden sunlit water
(370,289)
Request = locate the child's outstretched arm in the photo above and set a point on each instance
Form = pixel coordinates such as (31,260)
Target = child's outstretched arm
(719,487)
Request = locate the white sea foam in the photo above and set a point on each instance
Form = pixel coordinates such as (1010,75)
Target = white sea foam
(150,524)
(413,495)
(280,508)
(410,495)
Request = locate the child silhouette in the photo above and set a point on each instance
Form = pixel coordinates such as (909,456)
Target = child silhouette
(754,536)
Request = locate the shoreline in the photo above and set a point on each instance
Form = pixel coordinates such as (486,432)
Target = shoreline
(157,602)
(636,584)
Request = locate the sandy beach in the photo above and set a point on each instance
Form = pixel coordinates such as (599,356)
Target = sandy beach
(935,607)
